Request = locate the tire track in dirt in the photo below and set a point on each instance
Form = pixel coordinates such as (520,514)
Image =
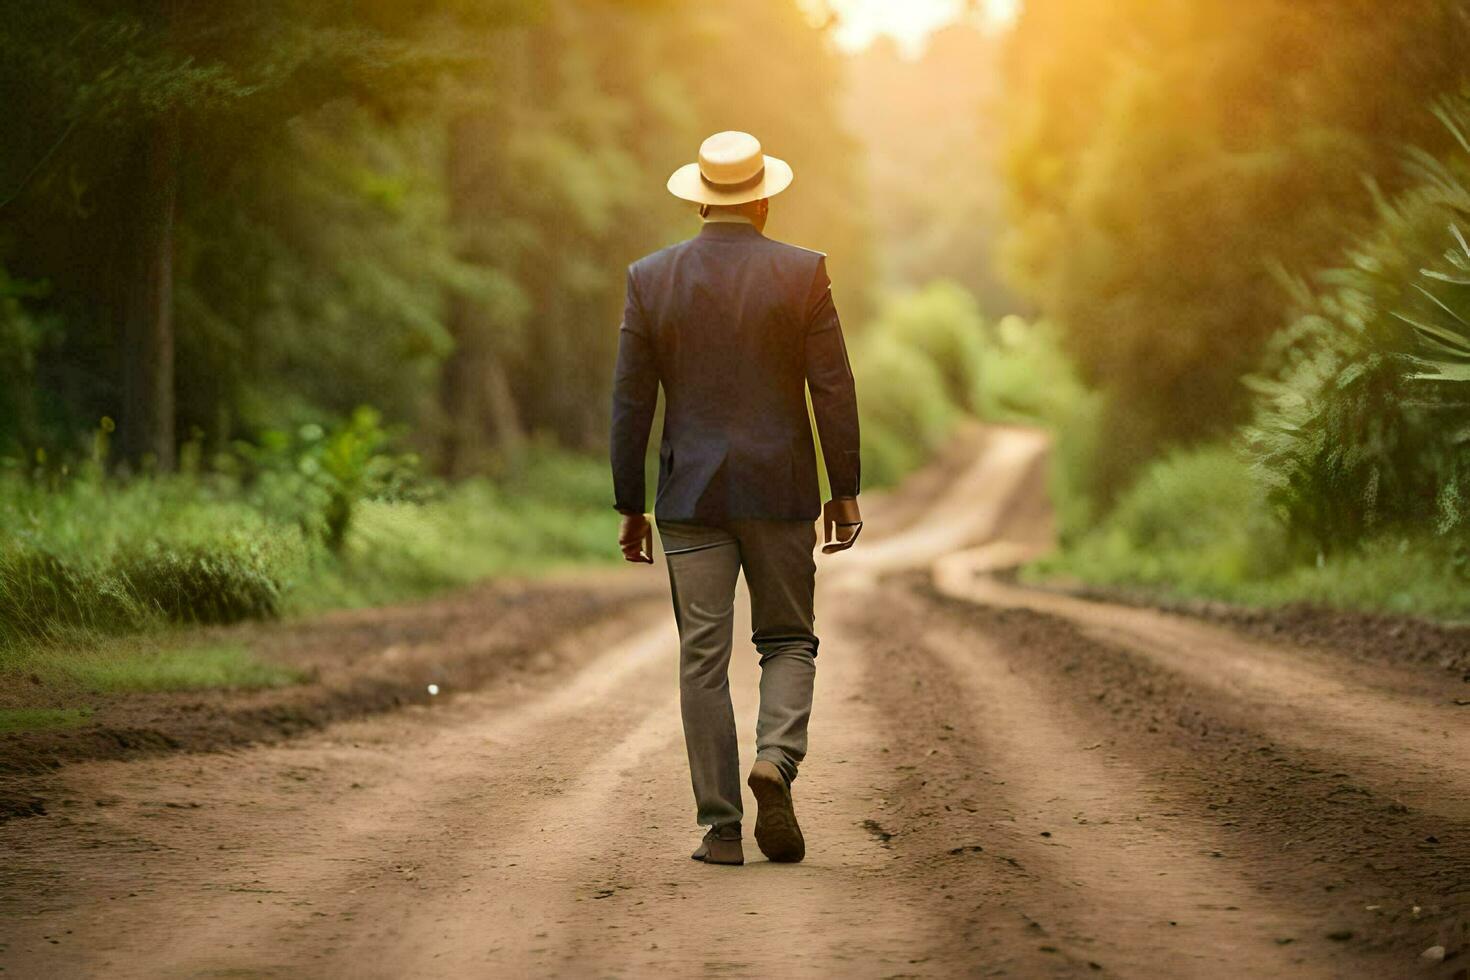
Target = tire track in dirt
(1107,876)
(293,828)
(1413,747)
(1381,876)
(507,833)
(541,826)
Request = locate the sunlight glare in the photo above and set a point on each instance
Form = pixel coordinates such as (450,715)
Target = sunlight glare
(909,22)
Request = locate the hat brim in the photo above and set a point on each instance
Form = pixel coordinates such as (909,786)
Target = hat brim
(686,183)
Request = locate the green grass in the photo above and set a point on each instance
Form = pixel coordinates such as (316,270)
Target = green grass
(554,512)
(138,664)
(84,559)
(177,669)
(917,368)
(42,719)
(1196,524)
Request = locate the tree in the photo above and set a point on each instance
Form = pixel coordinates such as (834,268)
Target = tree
(153,85)
(1167,159)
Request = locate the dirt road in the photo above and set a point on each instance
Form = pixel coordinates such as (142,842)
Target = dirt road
(1003,781)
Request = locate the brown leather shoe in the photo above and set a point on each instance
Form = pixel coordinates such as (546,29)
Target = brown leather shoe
(721,845)
(776,830)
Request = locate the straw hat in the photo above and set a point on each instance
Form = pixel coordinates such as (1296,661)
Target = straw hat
(731,170)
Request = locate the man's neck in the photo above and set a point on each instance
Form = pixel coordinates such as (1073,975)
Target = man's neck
(727,218)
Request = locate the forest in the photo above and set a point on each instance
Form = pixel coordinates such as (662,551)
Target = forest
(306,305)
(319,652)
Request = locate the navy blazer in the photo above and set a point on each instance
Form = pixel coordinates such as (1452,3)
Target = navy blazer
(735,327)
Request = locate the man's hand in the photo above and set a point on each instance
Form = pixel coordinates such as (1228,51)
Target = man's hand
(635,538)
(841,515)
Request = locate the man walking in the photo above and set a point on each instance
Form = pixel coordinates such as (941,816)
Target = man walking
(736,327)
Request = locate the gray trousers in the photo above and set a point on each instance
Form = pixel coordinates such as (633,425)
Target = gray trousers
(780,573)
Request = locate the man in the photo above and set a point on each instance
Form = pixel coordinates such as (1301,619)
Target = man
(736,327)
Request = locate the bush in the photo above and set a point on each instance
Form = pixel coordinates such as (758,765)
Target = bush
(1198,523)
(1359,428)
(86,556)
(942,323)
(1195,521)
(905,411)
(1025,377)
(917,367)
(318,477)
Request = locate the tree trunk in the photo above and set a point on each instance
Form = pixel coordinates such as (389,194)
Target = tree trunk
(480,412)
(147,430)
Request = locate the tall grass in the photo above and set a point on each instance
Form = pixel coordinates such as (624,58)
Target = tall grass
(92,555)
(318,518)
(85,556)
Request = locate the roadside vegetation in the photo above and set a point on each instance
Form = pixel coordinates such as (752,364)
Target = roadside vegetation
(1350,484)
(223,231)
(97,570)
(223,234)
(917,367)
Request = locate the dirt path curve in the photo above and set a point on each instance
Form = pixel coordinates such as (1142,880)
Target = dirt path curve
(1001,783)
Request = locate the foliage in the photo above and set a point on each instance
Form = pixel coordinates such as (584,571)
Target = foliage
(1363,421)
(1024,375)
(422,206)
(83,555)
(942,323)
(1193,521)
(1197,524)
(320,477)
(41,719)
(917,367)
(1164,158)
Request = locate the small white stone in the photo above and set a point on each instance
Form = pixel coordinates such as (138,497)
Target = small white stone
(1434,954)
(433,689)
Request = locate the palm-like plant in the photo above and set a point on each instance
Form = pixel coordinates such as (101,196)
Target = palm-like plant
(1362,421)
(1445,333)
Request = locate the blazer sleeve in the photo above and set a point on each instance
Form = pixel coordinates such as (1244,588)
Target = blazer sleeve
(635,395)
(834,397)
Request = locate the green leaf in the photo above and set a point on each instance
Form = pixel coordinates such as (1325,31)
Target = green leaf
(1452,343)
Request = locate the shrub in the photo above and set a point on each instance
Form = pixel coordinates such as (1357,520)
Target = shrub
(1358,427)
(918,368)
(905,410)
(318,477)
(1025,377)
(942,323)
(1194,521)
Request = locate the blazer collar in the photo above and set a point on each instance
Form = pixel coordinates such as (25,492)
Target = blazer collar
(728,230)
